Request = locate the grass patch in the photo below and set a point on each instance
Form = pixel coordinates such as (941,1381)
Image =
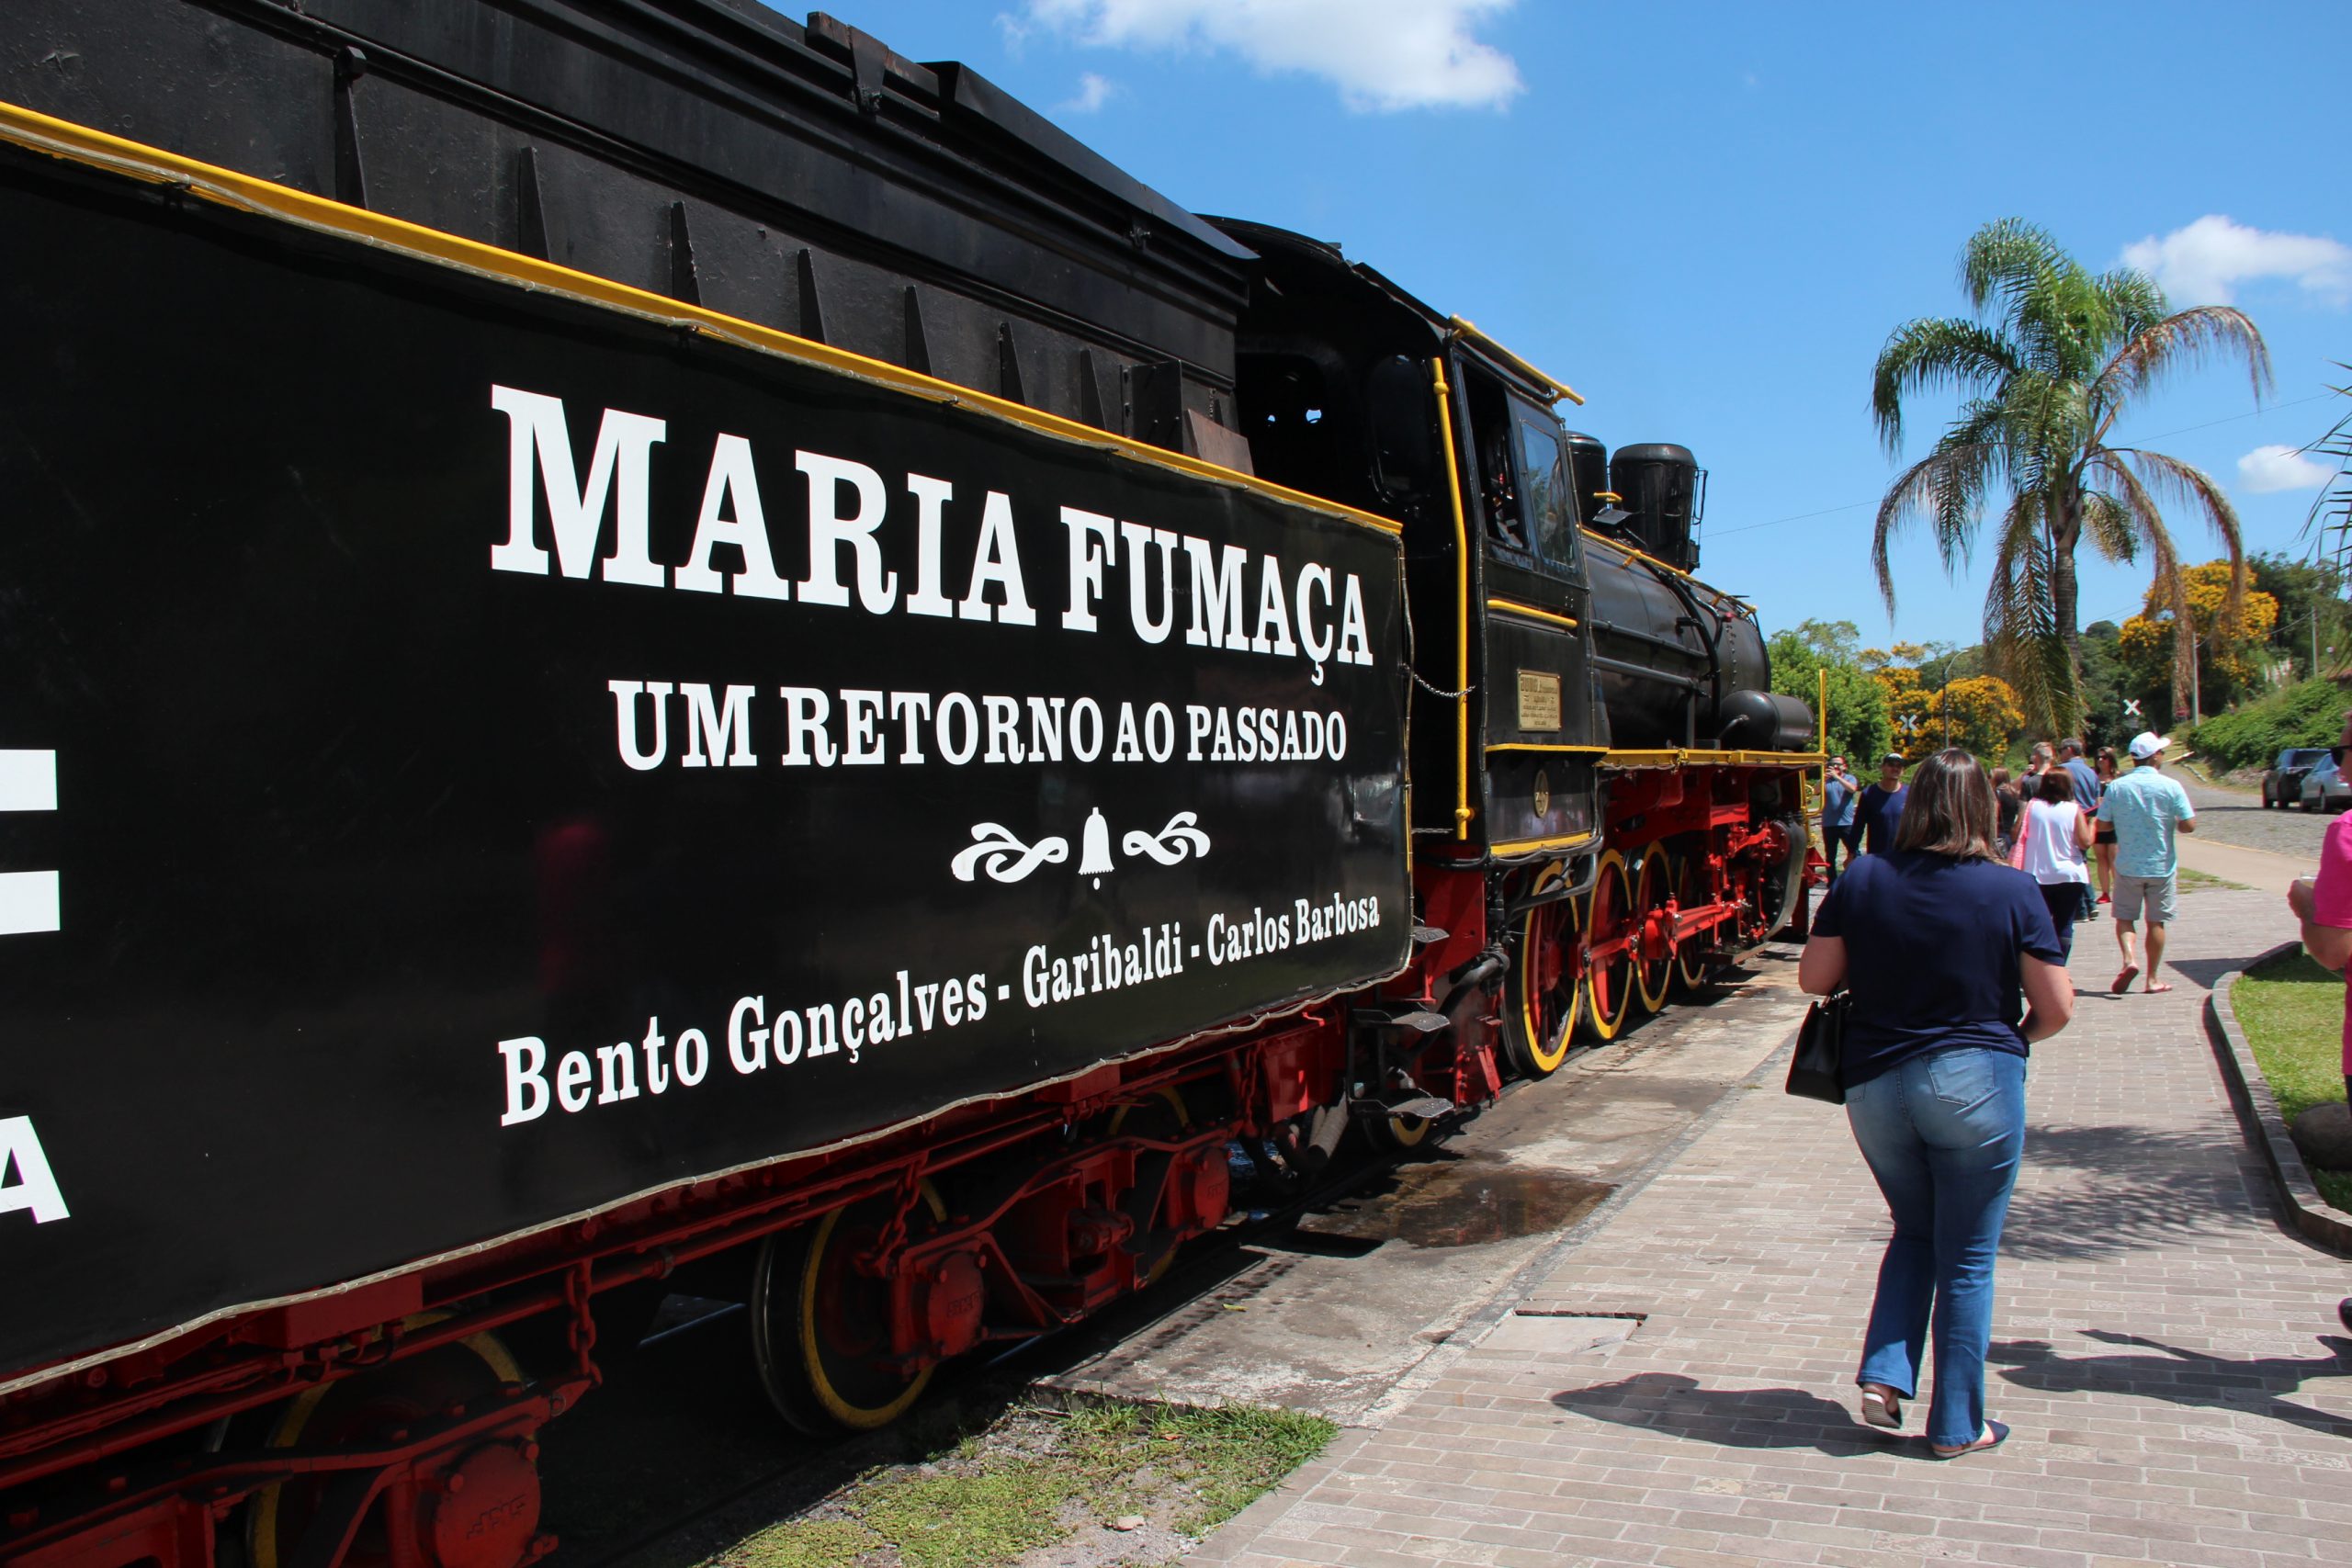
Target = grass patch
(806,1543)
(1222,1460)
(2292,1012)
(1033,1478)
(2190,880)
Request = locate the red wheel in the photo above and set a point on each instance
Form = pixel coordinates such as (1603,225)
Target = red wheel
(1609,934)
(1653,960)
(1692,892)
(820,1331)
(1166,1118)
(1539,1013)
(366,1410)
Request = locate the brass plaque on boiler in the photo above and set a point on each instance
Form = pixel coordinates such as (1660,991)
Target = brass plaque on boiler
(1539,700)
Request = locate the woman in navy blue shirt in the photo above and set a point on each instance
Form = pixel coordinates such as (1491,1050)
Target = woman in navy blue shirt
(1955,968)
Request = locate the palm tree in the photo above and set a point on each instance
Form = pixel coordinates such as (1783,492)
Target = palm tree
(2053,359)
(2331,511)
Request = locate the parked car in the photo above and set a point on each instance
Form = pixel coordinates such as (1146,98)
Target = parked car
(2282,785)
(2324,787)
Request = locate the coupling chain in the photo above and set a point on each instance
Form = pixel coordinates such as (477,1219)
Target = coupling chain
(1432,691)
(1412,651)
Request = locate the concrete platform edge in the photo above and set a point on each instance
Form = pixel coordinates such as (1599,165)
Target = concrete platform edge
(2250,1093)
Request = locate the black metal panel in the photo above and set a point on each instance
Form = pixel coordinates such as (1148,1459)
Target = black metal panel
(347,810)
(581,128)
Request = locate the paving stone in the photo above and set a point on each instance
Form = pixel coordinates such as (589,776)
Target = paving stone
(2166,1350)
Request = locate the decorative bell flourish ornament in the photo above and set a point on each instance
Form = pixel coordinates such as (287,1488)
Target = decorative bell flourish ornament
(1096,861)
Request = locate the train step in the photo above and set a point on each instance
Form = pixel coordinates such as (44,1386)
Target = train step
(1426,1108)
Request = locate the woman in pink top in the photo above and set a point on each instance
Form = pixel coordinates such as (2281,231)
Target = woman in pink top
(2054,833)
(2324,905)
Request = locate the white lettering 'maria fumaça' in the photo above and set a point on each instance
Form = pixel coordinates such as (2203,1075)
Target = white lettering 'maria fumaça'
(846,510)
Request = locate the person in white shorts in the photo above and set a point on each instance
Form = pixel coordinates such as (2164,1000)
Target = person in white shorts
(2147,809)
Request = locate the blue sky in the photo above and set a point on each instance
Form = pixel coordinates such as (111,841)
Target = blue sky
(1707,218)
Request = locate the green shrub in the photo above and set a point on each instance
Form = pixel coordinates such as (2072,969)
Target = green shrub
(2310,713)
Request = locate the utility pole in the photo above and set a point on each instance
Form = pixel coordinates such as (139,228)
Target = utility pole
(2195,716)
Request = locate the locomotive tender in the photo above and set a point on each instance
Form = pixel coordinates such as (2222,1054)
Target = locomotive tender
(640,638)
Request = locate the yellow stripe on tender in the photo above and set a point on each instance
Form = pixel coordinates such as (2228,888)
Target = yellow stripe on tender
(1676,757)
(226,188)
(1547,746)
(1511,607)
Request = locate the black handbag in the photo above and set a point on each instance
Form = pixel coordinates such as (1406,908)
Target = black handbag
(1821,1049)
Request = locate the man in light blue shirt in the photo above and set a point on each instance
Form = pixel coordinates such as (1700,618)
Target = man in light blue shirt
(2147,809)
(1837,791)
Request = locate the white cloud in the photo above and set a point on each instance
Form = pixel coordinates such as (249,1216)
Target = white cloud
(1093,91)
(1383,55)
(2201,263)
(2266,468)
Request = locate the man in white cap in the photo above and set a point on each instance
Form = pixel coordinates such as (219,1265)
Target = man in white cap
(2146,808)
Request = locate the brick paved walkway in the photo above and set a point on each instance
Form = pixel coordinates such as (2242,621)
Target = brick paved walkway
(2167,1354)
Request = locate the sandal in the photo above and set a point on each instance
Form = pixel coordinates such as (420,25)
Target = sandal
(1882,1406)
(1995,1434)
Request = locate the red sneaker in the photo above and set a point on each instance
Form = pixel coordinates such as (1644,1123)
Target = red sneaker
(2105,899)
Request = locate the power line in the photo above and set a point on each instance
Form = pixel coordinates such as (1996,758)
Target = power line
(2163,435)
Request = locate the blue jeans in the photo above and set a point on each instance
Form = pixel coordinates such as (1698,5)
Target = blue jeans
(1846,836)
(1942,1134)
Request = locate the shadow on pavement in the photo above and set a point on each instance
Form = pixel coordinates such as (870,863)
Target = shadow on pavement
(1675,1404)
(2207,972)
(2250,1386)
(2145,1188)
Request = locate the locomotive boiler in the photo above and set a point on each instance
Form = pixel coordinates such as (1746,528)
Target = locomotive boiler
(644,638)
(1680,662)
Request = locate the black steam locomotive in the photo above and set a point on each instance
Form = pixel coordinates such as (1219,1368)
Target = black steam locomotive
(641,638)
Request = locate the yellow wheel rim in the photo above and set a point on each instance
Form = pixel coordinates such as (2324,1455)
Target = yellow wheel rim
(1688,967)
(261,1537)
(1167,1259)
(1609,988)
(859,1417)
(1651,889)
(1545,1049)
(1407,1132)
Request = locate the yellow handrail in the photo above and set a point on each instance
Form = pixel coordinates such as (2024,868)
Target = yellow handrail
(1552,384)
(1462,811)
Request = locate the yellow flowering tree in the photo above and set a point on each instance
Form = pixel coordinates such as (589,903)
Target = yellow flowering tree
(1979,713)
(1897,671)
(1982,711)
(2230,646)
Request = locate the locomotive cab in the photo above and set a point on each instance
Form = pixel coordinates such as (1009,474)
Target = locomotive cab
(1350,387)
(1541,726)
